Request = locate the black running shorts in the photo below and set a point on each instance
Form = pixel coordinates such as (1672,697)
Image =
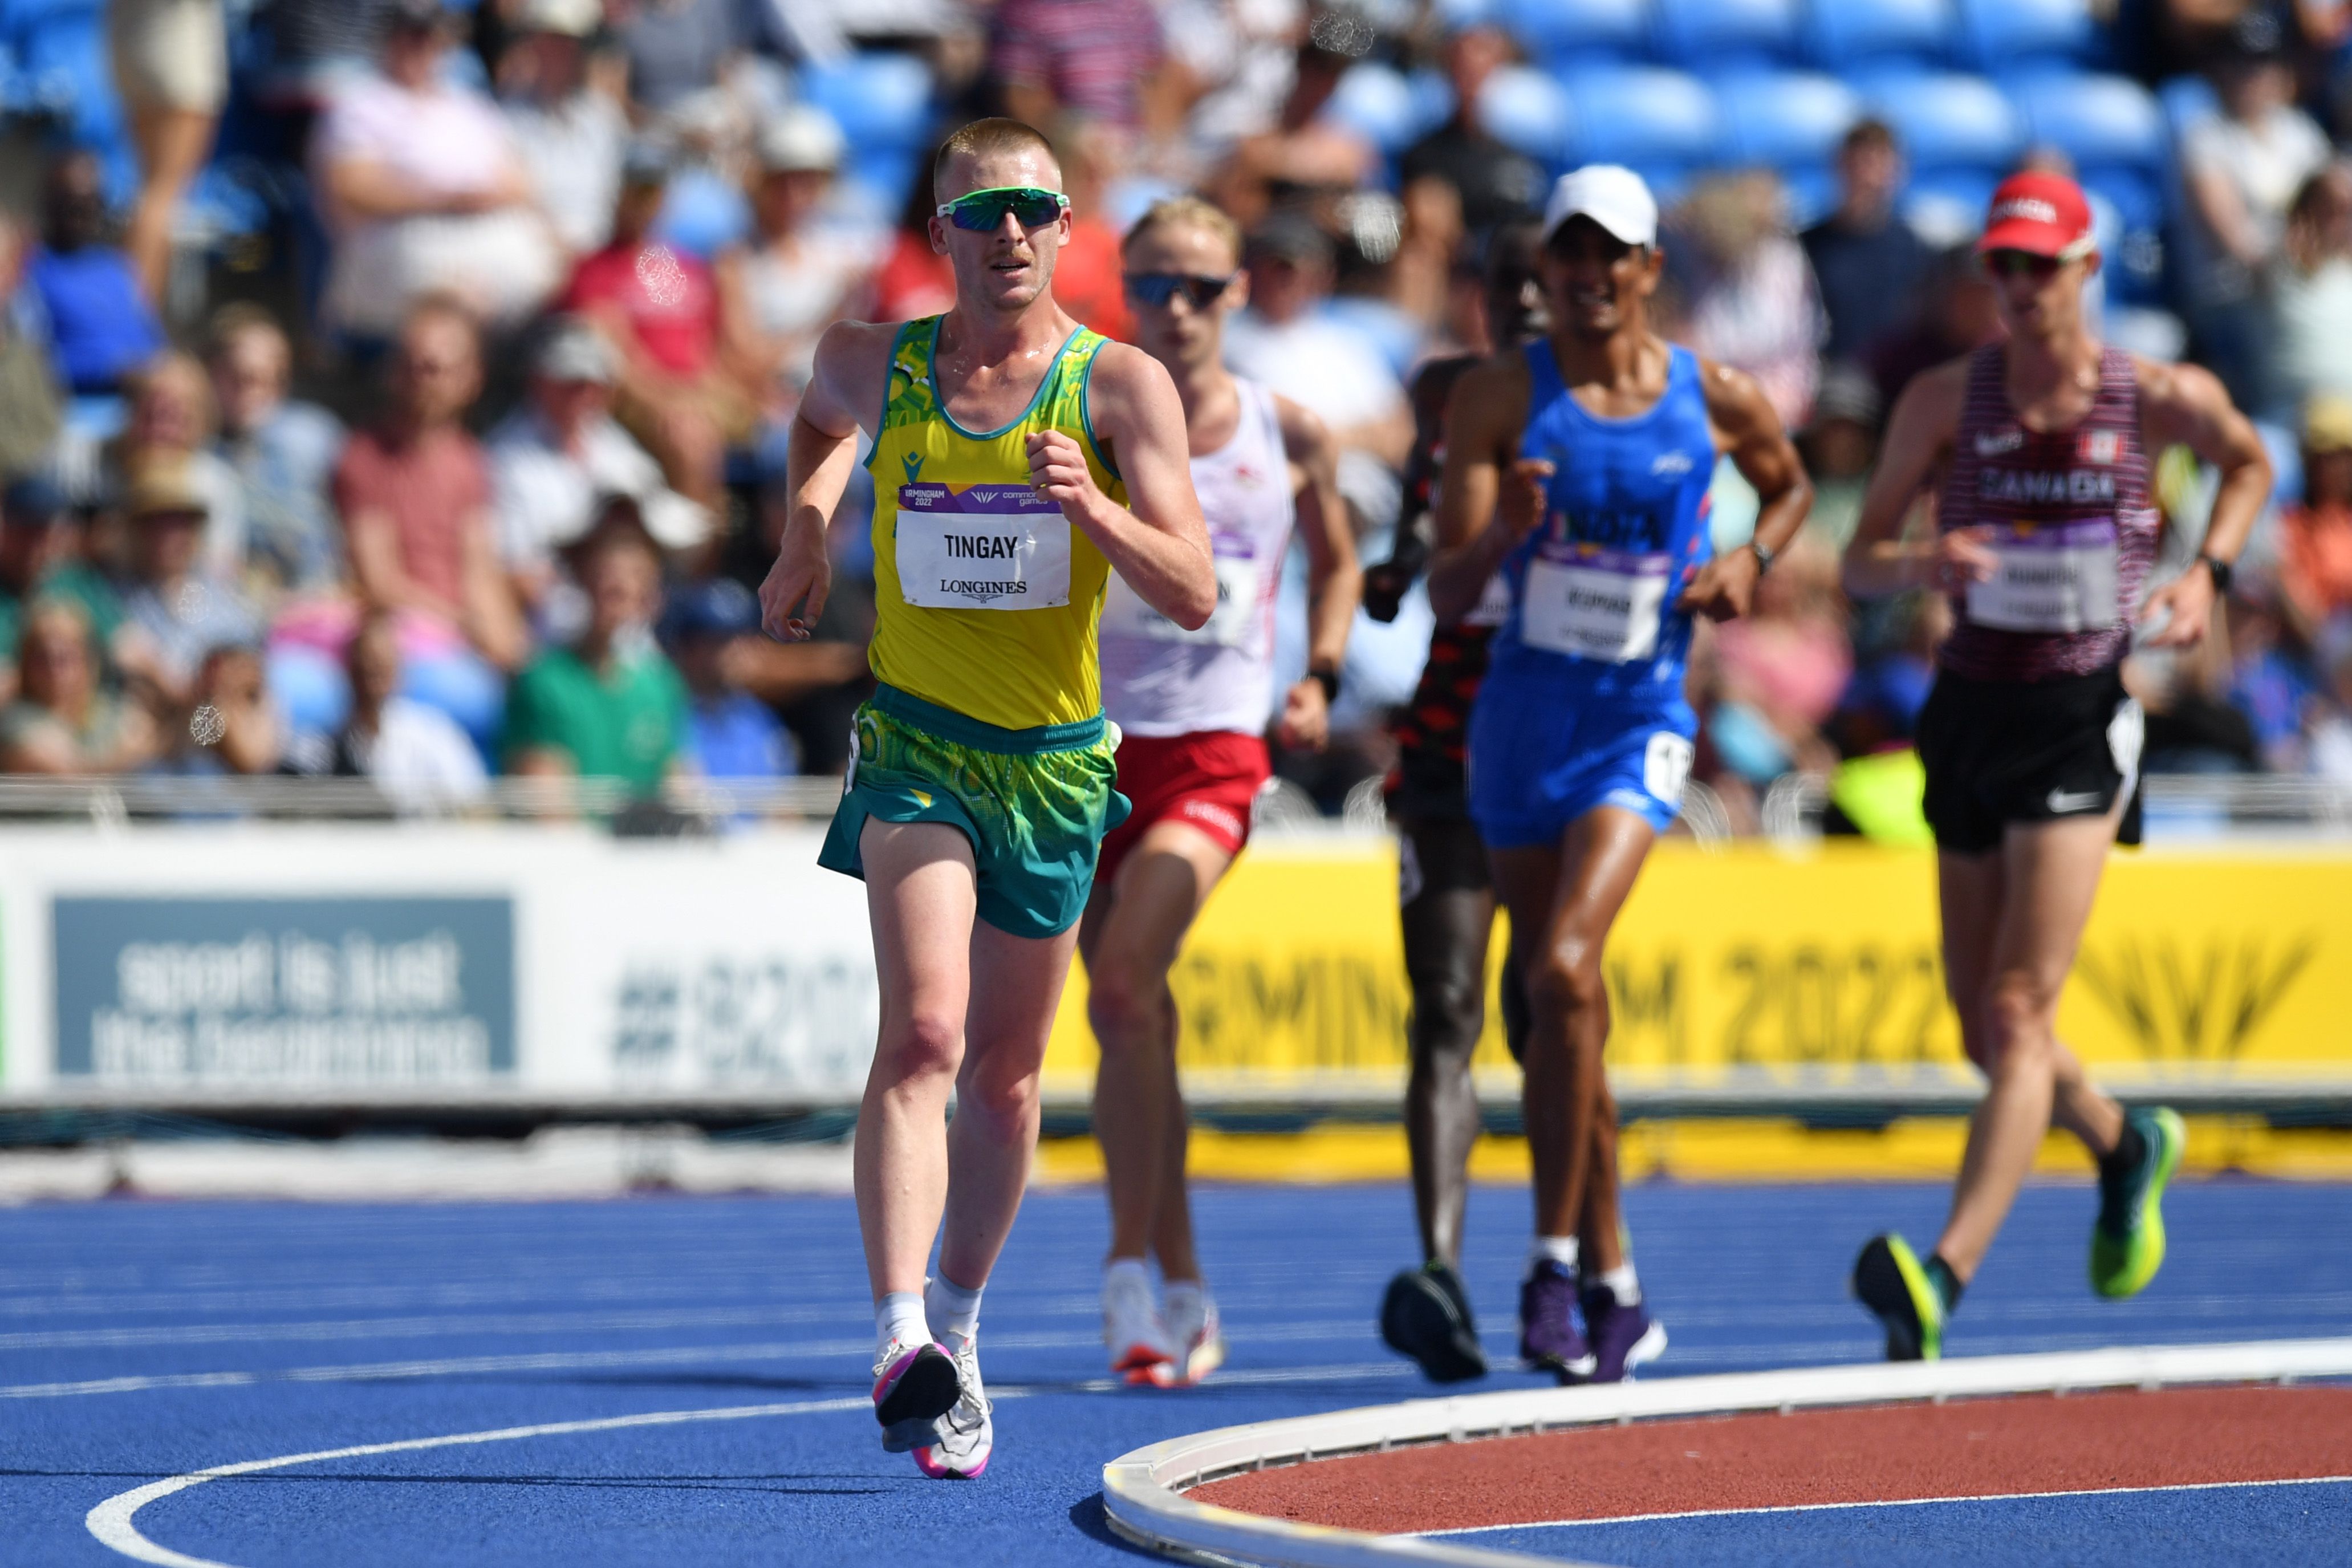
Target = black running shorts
(1997,751)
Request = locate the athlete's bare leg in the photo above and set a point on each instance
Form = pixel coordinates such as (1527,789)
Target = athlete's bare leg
(1969,891)
(1130,936)
(1572,894)
(942,1027)
(1445,936)
(2048,876)
(1601,1244)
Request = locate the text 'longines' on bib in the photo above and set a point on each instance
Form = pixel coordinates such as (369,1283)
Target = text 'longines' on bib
(1229,625)
(990,547)
(2059,577)
(1595,603)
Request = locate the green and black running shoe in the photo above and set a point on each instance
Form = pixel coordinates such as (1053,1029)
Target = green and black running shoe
(1889,1279)
(2127,1239)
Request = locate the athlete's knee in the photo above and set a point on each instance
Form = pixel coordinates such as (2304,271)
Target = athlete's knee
(1567,979)
(923,1043)
(2019,1012)
(1449,1011)
(1124,1000)
(1005,1101)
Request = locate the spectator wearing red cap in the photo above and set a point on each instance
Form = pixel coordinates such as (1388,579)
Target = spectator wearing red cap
(2047,536)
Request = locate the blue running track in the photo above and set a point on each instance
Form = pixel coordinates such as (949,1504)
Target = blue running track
(141,1339)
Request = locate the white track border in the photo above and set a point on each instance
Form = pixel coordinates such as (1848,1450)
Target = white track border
(1143,1492)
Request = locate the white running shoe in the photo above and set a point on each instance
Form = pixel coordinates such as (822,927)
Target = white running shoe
(914,1385)
(1138,1340)
(964,1437)
(1196,1336)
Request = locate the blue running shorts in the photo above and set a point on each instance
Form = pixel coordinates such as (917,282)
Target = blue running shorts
(1540,759)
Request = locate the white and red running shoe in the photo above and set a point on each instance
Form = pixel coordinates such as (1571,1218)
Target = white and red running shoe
(1137,1338)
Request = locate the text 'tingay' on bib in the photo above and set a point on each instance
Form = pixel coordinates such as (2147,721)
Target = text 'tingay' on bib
(989,547)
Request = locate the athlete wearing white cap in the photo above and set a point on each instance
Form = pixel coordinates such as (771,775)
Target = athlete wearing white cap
(1579,465)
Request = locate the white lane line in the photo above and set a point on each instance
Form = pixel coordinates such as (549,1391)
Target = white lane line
(112,1521)
(1888,1502)
(435,1327)
(581,1361)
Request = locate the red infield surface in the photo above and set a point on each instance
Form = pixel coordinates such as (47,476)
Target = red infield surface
(1977,1448)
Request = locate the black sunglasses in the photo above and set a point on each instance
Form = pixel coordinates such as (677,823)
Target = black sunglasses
(2006,263)
(1158,288)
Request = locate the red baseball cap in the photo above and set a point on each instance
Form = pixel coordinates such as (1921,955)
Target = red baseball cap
(2040,213)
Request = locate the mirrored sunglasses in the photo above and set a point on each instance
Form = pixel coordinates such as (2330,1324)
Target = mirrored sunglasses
(983,211)
(1158,288)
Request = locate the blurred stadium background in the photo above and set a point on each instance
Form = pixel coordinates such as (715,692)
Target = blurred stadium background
(389,407)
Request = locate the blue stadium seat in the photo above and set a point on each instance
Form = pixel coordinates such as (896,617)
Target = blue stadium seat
(2137,197)
(1813,193)
(1949,204)
(1950,121)
(1644,116)
(880,99)
(1379,104)
(1527,112)
(1784,118)
(2002,35)
(1711,34)
(2095,120)
(1574,31)
(1842,33)
(702,213)
(59,48)
(2187,100)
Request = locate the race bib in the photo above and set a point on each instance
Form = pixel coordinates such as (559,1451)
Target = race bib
(2060,577)
(1595,603)
(1229,625)
(991,547)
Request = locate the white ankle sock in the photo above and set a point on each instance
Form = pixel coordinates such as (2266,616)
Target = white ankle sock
(899,1316)
(1559,1249)
(1180,1294)
(952,1310)
(1120,1268)
(1622,1284)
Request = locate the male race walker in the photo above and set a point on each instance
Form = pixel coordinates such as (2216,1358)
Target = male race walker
(1192,707)
(1018,461)
(1580,465)
(2047,529)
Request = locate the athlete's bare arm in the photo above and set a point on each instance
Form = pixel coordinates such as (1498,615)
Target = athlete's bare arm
(1157,541)
(2186,404)
(852,360)
(1334,584)
(1746,428)
(1925,421)
(1488,499)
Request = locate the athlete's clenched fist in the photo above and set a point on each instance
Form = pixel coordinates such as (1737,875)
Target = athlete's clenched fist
(1058,471)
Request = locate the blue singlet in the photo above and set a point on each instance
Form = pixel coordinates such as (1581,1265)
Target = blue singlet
(1582,704)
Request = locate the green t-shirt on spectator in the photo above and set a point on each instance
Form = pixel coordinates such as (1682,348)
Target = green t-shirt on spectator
(79,582)
(627,723)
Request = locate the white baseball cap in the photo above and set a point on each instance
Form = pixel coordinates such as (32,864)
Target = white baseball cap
(801,137)
(1613,197)
(573,19)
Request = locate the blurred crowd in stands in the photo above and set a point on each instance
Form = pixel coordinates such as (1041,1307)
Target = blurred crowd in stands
(395,390)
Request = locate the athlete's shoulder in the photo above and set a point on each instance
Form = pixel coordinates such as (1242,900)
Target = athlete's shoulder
(2176,385)
(1436,381)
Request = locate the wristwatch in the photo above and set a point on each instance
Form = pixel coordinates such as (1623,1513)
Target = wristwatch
(2221,571)
(1329,679)
(1763,557)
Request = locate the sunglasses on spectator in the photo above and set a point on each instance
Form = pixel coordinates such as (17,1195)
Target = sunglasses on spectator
(2021,263)
(983,210)
(1158,288)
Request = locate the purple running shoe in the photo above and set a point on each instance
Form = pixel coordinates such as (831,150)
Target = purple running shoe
(1550,1334)
(1622,1337)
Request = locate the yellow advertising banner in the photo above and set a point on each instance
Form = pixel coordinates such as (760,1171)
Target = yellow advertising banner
(1757,964)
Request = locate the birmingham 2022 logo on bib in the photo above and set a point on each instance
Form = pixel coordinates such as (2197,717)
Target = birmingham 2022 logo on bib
(986,547)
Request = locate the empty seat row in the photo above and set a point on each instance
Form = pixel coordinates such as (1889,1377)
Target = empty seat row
(1984,35)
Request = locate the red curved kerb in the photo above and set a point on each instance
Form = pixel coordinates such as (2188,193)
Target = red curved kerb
(1975,1448)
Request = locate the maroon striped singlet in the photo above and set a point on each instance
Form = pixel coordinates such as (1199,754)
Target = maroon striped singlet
(2072,518)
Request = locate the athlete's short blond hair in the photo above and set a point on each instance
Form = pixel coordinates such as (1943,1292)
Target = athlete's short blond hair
(1187,211)
(982,137)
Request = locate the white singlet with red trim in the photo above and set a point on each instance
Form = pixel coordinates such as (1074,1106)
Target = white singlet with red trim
(1161,680)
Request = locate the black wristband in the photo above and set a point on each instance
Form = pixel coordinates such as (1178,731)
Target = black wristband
(1329,681)
(2221,571)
